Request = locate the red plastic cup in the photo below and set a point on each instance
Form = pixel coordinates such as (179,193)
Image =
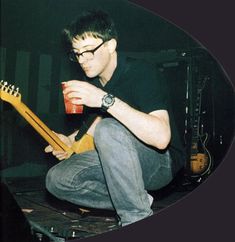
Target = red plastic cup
(71,108)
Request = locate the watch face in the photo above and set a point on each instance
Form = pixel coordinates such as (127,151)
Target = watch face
(108,100)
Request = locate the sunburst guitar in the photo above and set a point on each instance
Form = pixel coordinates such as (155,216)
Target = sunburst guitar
(200,158)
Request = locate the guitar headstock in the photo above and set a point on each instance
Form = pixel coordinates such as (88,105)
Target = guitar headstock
(9,93)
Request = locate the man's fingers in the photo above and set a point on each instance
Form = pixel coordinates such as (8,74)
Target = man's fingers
(57,152)
(60,155)
(48,149)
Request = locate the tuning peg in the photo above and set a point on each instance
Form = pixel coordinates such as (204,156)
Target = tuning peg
(16,92)
(12,88)
(4,86)
(9,88)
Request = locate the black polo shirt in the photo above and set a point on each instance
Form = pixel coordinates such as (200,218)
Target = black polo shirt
(137,83)
(144,88)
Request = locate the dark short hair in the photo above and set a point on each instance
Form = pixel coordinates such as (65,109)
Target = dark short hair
(96,23)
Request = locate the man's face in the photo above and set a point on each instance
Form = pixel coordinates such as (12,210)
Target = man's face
(92,64)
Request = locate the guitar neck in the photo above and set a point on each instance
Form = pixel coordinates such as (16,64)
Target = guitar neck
(196,122)
(42,129)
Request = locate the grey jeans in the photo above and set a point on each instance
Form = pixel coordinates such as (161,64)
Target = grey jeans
(115,176)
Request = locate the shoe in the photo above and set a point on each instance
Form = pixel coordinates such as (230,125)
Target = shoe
(150,199)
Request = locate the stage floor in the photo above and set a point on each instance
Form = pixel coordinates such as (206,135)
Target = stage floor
(68,221)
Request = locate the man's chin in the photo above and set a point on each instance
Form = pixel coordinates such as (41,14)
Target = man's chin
(90,75)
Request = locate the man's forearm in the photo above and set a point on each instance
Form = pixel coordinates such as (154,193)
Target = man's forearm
(91,130)
(153,129)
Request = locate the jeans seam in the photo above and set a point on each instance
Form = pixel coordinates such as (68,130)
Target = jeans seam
(81,172)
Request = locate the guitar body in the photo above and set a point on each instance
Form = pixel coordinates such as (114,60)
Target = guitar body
(86,143)
(200,161)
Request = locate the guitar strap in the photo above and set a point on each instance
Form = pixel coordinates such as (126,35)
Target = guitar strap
(85,126)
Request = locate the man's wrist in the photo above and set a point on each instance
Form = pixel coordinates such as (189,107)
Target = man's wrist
(107,101)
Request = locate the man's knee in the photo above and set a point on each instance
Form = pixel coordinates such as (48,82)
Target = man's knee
(51,179)
(108,128)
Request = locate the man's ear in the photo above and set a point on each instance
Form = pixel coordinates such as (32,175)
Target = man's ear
(112,45)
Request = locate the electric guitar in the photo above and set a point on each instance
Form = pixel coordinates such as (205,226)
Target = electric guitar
(12,95)
(200,158)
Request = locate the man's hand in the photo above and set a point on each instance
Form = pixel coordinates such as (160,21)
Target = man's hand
(60,155)
(83,93)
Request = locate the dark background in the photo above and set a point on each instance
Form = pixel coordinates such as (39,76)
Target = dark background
(33,58)
(34,27)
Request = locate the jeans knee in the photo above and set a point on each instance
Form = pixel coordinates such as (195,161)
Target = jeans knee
(107,130)
(51,179)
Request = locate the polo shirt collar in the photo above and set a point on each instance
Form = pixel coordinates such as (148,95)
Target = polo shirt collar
(121,63)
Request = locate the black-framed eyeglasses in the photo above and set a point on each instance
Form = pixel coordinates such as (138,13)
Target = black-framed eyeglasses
(87,54)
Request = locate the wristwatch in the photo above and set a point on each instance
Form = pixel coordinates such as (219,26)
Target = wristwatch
(107,101)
